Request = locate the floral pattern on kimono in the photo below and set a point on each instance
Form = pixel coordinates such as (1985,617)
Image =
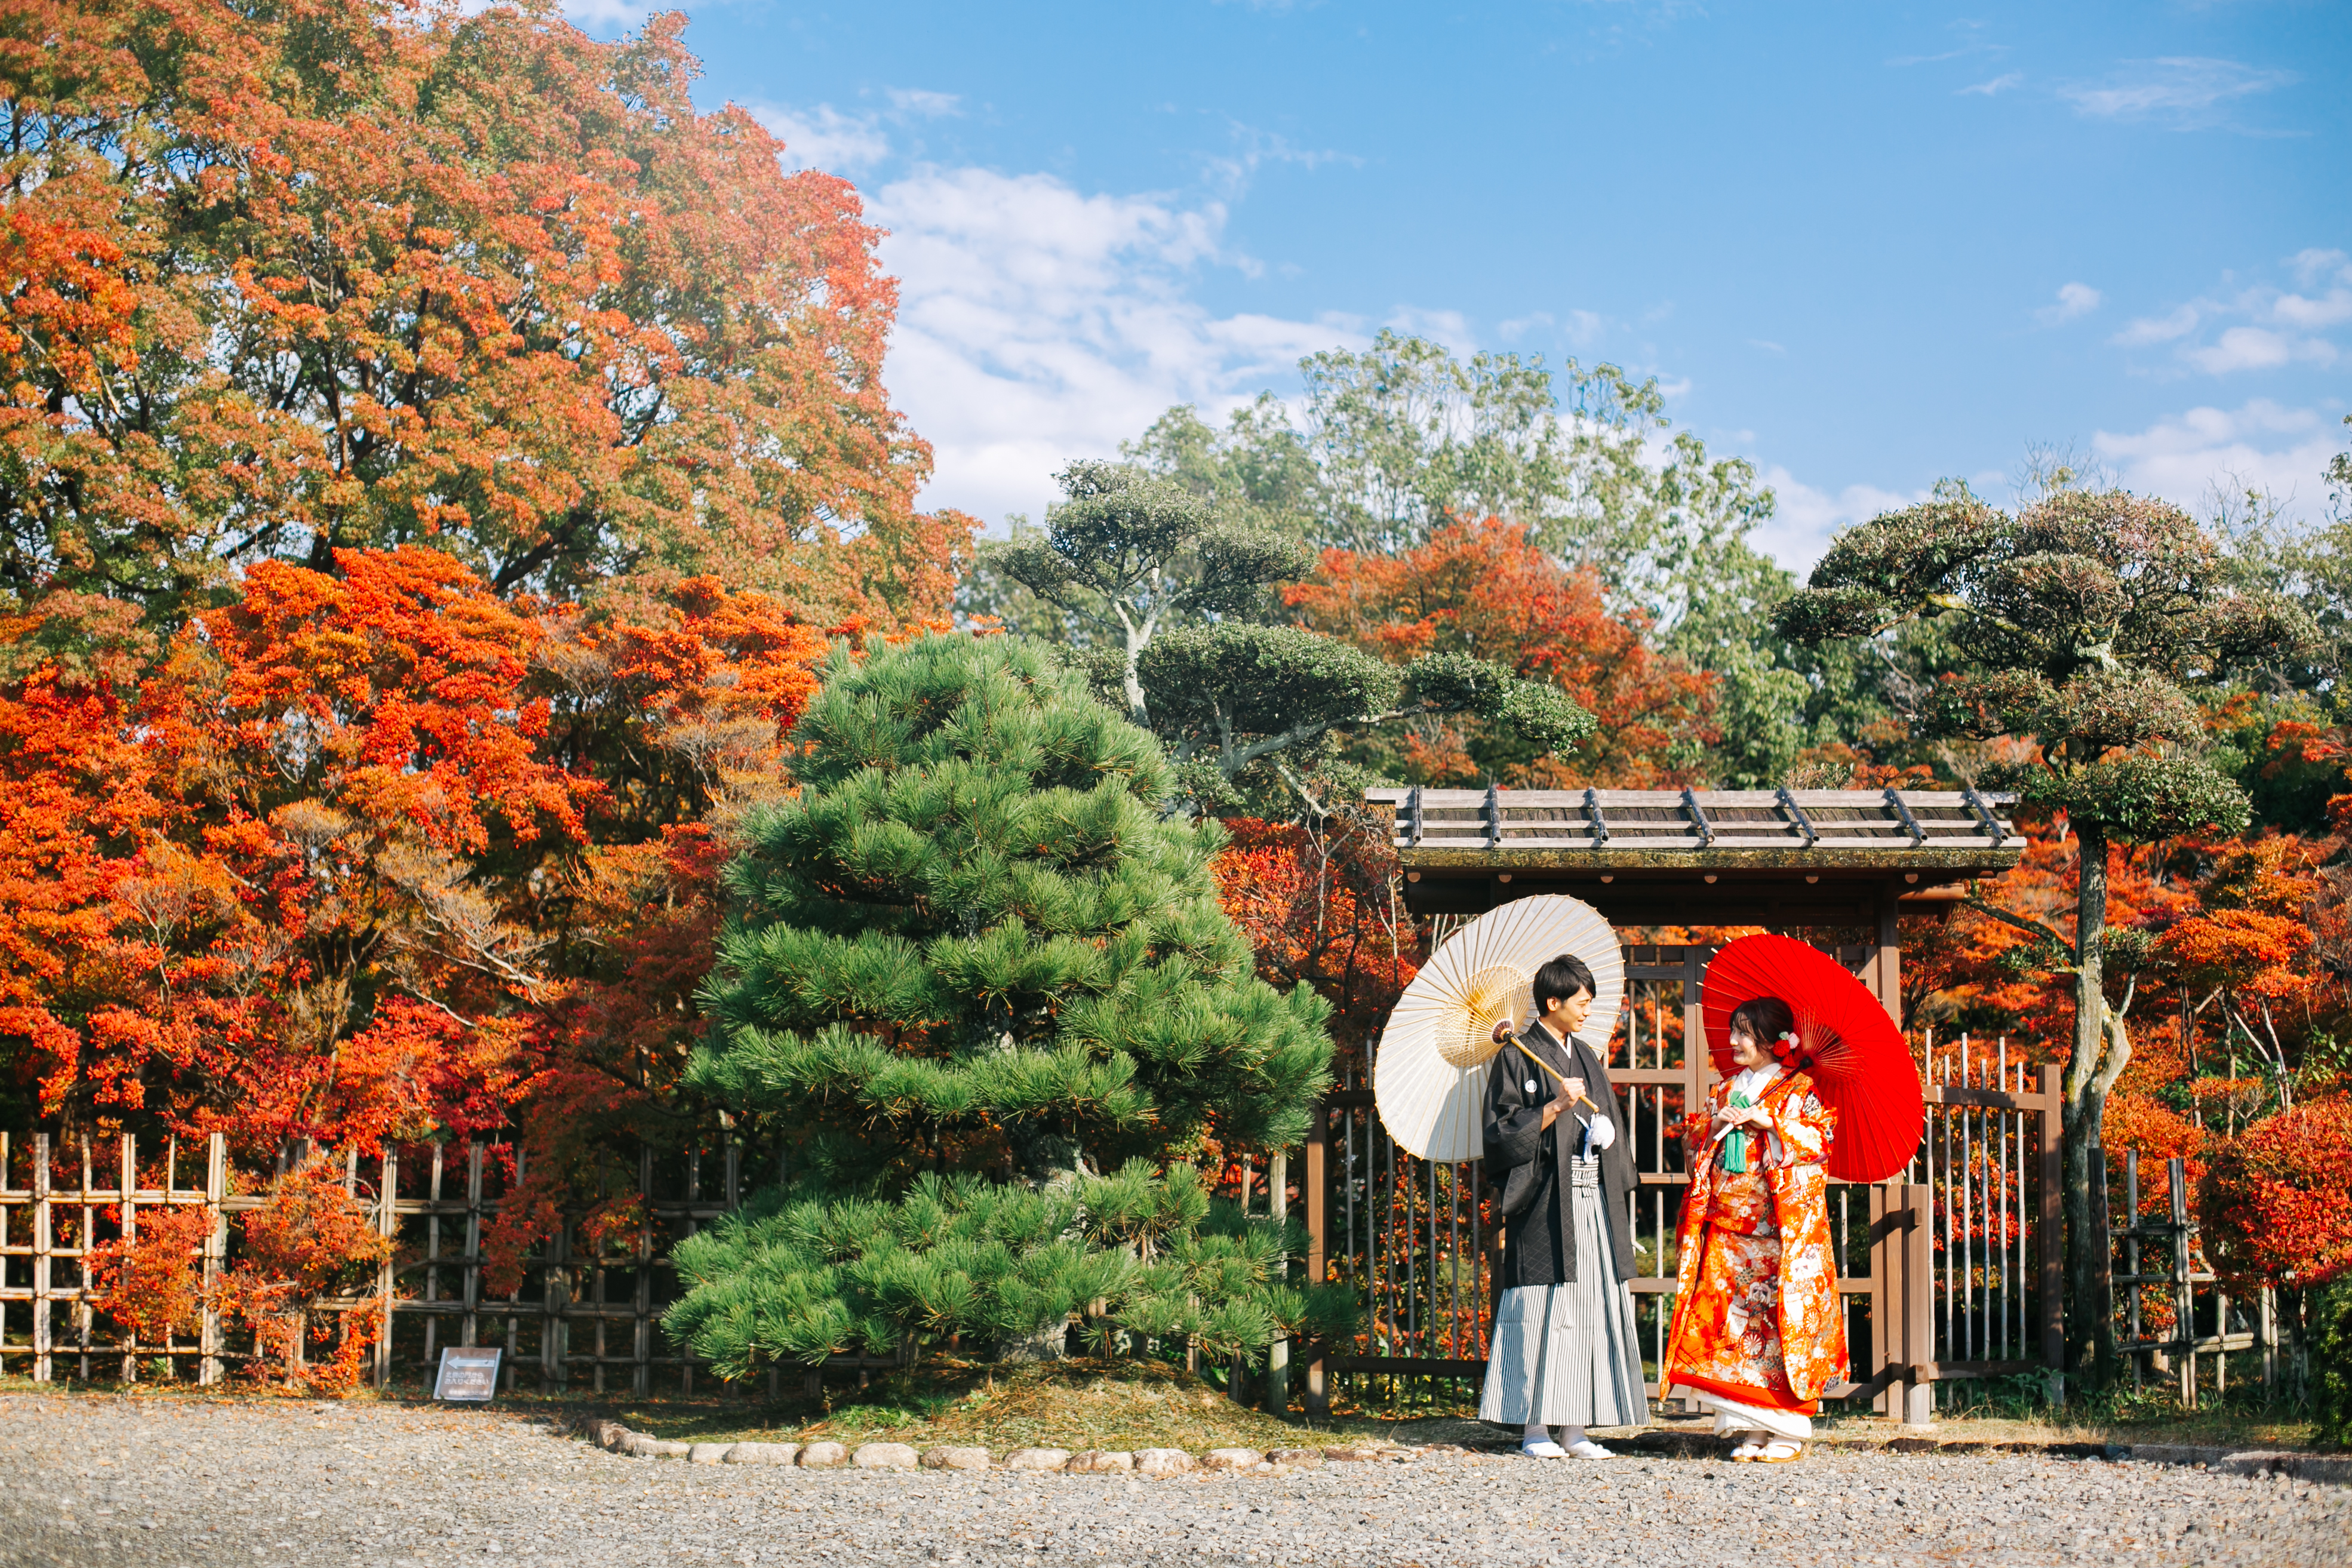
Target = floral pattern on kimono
(1756,1313)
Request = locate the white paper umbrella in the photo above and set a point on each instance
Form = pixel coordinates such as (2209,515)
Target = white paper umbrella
(1430,1077)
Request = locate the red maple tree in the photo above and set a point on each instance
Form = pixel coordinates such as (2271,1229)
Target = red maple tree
(2277,1204)
(1487,589)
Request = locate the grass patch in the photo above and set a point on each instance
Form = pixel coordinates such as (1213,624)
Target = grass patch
(1086,1402)
(1078,1404)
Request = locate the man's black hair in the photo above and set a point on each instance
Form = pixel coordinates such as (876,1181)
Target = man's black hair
(1563,977)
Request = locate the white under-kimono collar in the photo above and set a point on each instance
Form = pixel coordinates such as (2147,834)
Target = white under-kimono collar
(1748,1086)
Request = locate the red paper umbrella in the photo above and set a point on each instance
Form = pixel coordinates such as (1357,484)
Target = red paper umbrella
(1845,1043)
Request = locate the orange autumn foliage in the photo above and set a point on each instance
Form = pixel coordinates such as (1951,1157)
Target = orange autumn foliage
(311,1240)
(284,279)
(1320,905)
(1487,589)
(376,854)
(152,1286)
(2221,938)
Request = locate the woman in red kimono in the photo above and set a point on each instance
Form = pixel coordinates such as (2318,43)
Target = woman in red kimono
(1759,1330)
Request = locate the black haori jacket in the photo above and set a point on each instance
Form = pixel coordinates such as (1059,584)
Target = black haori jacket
(1531,1160)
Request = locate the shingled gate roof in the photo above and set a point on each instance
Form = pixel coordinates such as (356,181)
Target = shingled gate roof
(1691,857)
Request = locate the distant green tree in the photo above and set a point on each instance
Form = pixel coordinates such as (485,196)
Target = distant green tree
(2076,627)
(1173,589)
(1141,552)
(1398,437)
(974,947)
(2309,564)
(1255,470)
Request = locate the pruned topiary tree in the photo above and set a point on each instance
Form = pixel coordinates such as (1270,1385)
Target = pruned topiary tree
(974,947)
(2079,628)
(1184,590)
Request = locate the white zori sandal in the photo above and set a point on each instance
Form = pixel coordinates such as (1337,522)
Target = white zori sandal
(1586,1448)
(1780,1451)
(1747,1446)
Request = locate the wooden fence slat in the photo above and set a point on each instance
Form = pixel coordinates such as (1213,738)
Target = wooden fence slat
(128,1187)
(41,1257)
(387,1225)
(210,1367)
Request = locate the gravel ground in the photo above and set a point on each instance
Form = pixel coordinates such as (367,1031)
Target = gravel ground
(100,1483)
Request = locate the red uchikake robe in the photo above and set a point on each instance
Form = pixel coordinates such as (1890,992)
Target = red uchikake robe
(1756,1314)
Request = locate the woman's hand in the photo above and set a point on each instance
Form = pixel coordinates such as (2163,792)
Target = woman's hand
(1732,1116)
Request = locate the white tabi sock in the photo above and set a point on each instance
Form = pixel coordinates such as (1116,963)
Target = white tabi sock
(1534,1432)
(1569,1437)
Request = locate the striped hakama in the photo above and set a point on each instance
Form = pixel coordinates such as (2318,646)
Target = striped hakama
(1569,1354)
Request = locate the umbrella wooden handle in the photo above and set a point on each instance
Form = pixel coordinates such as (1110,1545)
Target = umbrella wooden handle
(1557,1076)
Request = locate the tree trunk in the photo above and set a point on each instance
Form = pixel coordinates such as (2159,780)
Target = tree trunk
(2090,1285)
(1047,1161)
(1131,683)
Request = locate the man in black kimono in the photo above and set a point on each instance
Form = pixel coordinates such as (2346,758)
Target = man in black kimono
(1565,1351)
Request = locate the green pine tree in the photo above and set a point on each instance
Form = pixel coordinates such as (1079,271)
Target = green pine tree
(972,967)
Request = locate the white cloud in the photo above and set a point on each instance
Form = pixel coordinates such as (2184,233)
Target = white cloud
(2187,92)
(824,138)
(1580,328)
(1451,328)
(2312,264)
(846,144)
(2162,329)
(2277,327)
(2254,347)
(930,105)
(2332,310)
(596,15)
(2261,443)
(1037,323)
(1805,519)
(2073,299)
(1231,174)
(1998,85)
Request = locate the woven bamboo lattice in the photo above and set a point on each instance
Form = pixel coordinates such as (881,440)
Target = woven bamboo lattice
(587,1309)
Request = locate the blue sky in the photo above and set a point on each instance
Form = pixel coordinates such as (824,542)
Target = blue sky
(1863,244)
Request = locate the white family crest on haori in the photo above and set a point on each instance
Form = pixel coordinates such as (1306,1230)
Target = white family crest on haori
(1430,1077)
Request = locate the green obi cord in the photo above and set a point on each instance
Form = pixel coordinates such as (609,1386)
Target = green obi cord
(1735,1148)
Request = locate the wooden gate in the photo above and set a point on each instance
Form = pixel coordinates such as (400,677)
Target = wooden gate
(1948,1271)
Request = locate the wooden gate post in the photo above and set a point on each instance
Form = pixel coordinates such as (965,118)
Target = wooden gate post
(1886,962)
(1902,1299)
(2050,1225)
(1316,1395)
(1919,1306)
(1887,1212)
(1277,1354)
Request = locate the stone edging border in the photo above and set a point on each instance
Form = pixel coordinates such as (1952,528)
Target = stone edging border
(614,1438)
(2332,1470)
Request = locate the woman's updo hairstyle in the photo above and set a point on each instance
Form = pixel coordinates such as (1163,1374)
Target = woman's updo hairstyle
(1767,1018)
(1773,1022)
